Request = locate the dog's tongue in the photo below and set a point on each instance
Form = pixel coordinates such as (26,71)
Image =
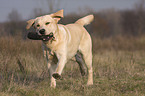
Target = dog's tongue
(44,39)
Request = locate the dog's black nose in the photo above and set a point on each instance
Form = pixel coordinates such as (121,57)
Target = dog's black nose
(42,31)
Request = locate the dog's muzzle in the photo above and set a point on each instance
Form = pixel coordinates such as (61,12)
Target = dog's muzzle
(42,31)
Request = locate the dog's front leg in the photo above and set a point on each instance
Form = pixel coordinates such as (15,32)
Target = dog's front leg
(60,65)
(52,68)
(51,60)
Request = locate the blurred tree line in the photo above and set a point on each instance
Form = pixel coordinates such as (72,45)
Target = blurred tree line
(107,23)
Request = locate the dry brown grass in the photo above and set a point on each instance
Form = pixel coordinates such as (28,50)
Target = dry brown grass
(118,69)
(119,43)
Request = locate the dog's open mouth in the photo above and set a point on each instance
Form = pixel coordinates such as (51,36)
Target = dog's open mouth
(36,36)
(47,37)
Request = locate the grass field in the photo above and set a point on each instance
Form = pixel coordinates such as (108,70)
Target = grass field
(118,64)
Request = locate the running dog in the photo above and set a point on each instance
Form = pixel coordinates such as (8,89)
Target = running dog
(63,42)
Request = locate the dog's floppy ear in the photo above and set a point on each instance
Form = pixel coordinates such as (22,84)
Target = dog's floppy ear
(30,23)
(58,15)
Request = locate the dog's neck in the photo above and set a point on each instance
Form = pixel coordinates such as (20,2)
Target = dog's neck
(57,37)
(57,33)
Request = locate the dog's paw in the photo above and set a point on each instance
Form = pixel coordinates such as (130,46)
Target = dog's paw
(56,76)
(89,83)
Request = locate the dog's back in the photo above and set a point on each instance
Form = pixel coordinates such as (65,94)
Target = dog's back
(77,35)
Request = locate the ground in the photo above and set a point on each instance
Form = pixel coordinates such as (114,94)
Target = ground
(117,72)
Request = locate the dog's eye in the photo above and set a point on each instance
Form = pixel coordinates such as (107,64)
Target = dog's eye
(38,25)
(47,23)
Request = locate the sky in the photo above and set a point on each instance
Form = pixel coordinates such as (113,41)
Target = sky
(26,7)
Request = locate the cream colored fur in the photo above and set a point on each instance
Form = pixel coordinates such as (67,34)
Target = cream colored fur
(69,39)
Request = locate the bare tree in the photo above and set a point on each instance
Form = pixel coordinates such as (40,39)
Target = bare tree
(38,12)
(113,19)
(140,12)
(140,5)
(14,16)
(53,5)
(13,27)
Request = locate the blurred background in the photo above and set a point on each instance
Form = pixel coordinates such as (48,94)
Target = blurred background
(112,17)
(115,20)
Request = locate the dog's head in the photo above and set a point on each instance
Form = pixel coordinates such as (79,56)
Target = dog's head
(47,24)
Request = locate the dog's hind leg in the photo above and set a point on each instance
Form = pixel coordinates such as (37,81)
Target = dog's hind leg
(81,62)
(86,49)
(88,60)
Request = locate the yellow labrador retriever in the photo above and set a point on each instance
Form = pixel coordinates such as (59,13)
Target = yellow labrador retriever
(67,41)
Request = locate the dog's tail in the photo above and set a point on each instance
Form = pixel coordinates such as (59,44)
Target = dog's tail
(85,20)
